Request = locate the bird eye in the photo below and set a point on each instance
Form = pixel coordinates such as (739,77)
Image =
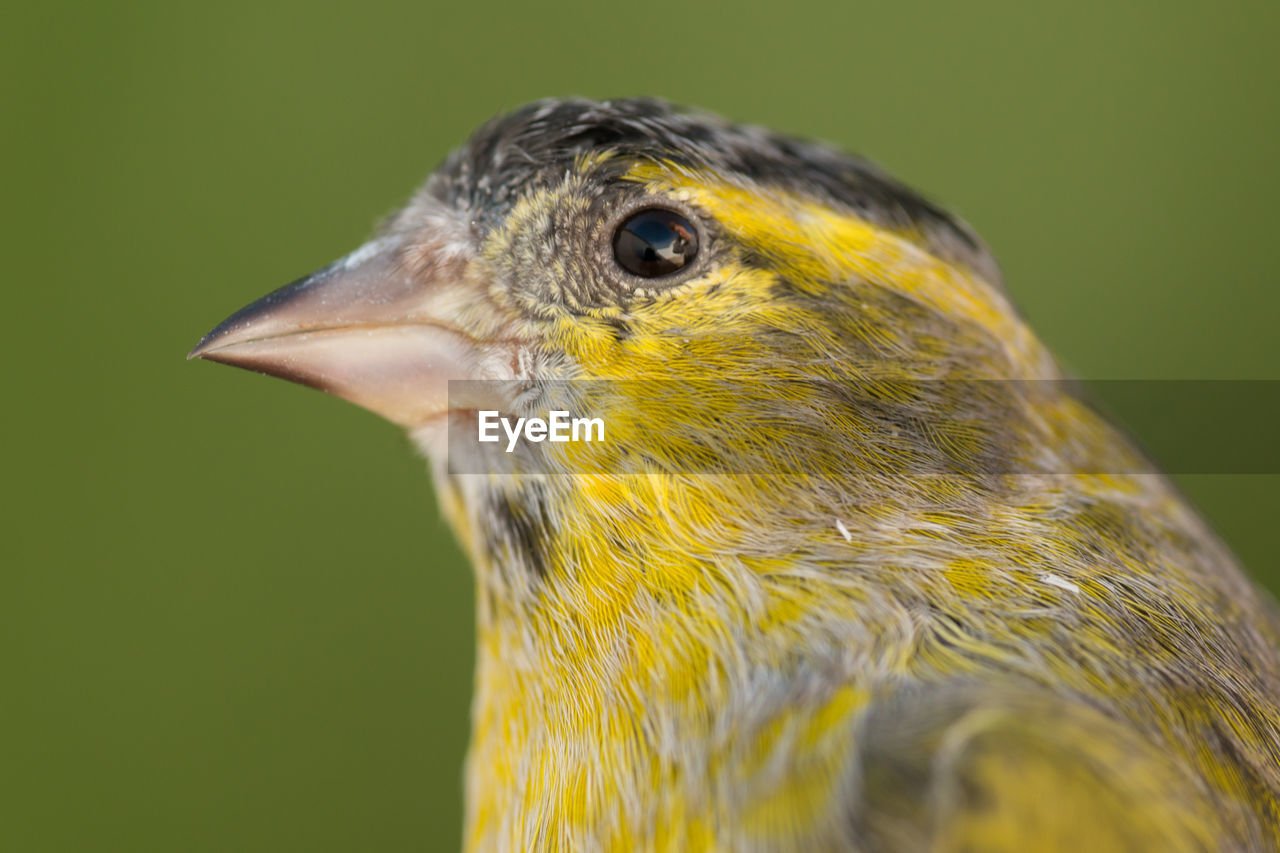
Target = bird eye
(655,242)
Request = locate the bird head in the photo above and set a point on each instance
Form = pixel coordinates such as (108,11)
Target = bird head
(709,275)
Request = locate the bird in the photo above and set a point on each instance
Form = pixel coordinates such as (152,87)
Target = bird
(850,564)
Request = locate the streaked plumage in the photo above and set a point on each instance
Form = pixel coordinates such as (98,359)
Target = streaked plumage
(897,625)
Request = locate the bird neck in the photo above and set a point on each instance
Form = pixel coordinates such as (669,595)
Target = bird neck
(650,632)
(605,681)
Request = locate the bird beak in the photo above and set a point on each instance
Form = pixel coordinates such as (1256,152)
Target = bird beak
(379,328)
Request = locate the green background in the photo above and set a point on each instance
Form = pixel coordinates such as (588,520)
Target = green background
(230,617)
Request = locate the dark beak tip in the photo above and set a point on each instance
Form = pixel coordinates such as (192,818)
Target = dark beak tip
(232,329)
(202,347)
(217,337)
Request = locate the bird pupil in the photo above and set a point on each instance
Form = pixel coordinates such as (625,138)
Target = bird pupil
(655,242)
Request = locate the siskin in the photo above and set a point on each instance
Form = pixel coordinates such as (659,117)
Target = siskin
(851,569)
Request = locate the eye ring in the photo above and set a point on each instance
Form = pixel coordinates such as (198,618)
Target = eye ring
(655,242)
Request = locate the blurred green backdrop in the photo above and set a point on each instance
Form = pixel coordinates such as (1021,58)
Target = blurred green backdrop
(231,619)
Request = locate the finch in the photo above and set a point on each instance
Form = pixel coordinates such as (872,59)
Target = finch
(845,566)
